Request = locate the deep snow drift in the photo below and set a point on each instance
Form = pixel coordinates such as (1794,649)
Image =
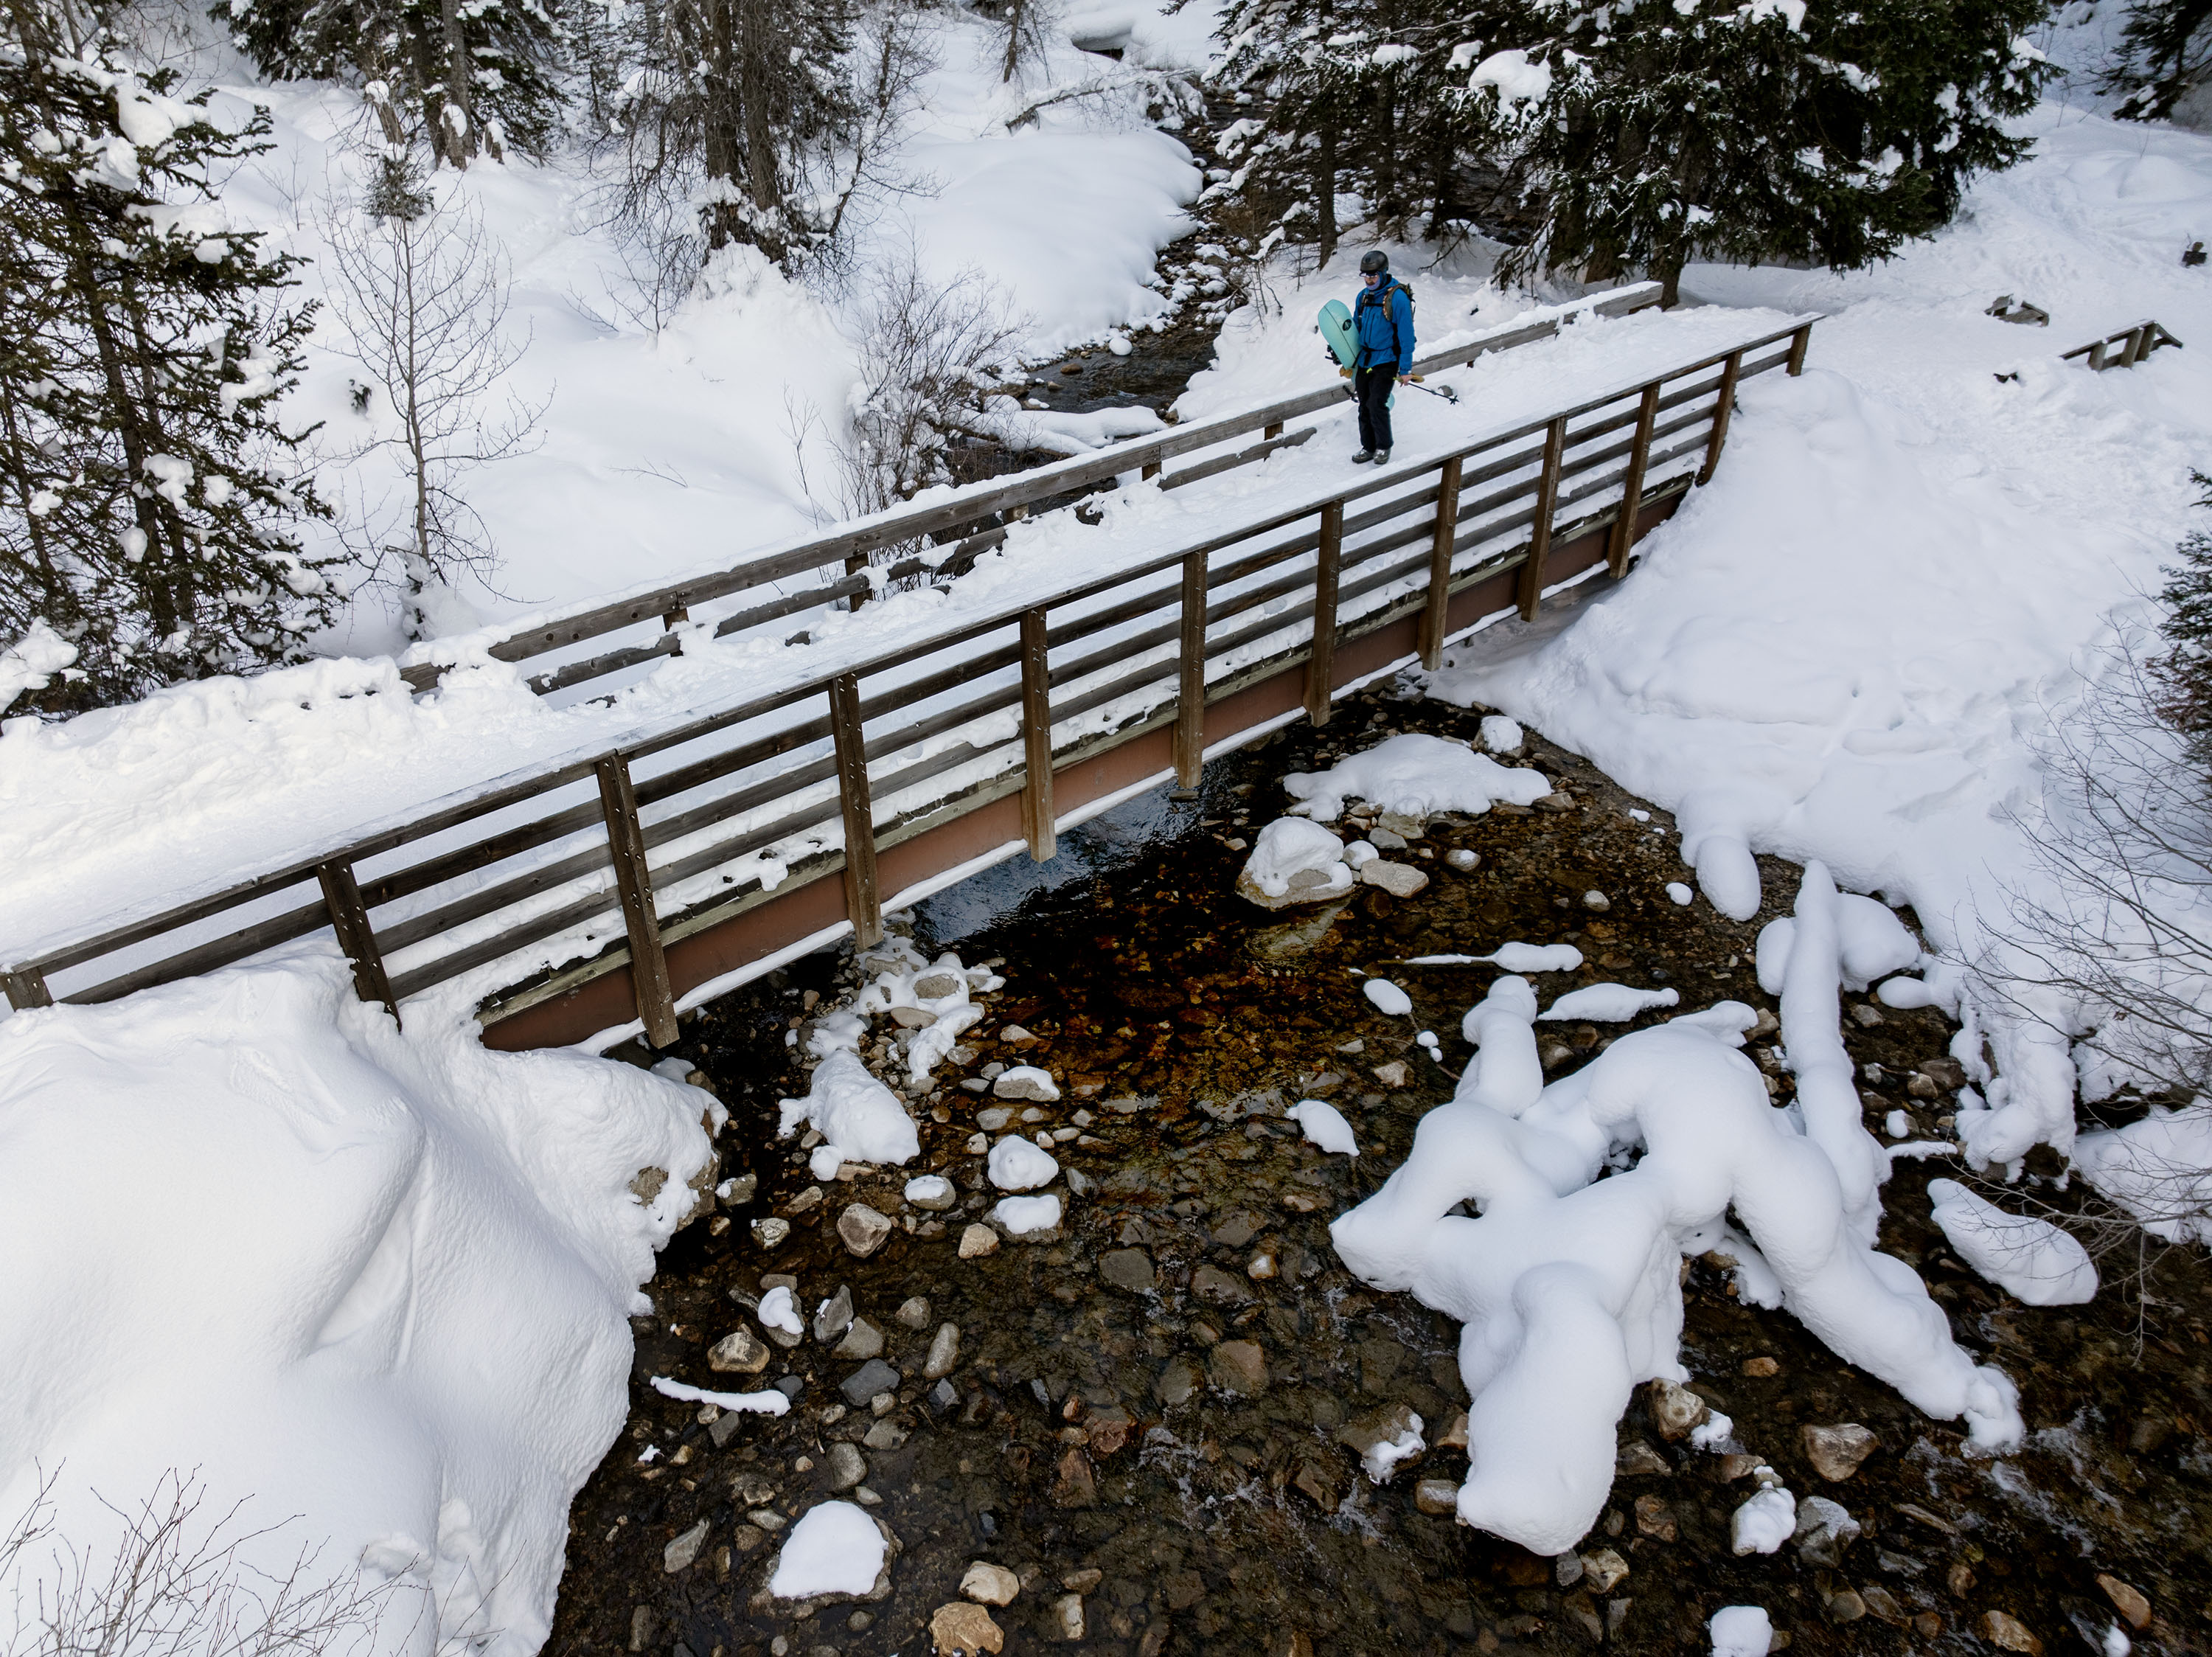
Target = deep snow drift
(1913,565)
(379,1281)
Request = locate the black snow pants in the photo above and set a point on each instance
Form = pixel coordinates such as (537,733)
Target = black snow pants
(1372,385)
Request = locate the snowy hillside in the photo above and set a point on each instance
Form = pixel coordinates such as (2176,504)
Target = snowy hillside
(665,449)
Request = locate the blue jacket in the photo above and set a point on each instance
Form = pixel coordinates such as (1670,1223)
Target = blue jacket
(1384,318)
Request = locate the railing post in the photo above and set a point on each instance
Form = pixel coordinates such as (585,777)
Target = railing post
(27,988)
(864,904)
(1321,666)
(1273,429)
(1631,488)
(1539,536)
(649,966)
(2134,351)
(1151,470)
(673,619)
(1723,406)
(1798,342)
(1190,694)
(1037,740)
(1435,616)
(349,922)
(854,563)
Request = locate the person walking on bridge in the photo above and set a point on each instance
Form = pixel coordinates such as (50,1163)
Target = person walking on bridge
(1382,321)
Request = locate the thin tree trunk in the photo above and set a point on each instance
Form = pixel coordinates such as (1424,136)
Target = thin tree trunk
(1015,10)
(456,139)
(1325,190)
(756,39)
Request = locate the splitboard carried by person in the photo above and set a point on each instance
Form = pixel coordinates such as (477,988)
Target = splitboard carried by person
(1382,319)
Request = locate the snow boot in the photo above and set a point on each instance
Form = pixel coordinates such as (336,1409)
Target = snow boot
(1382,457)
(1363,457)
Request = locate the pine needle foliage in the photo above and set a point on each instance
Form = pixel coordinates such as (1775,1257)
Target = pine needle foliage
(2165,50)
(2184,673)
(149,495)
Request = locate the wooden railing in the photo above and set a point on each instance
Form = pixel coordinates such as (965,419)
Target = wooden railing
(716,836)
(2135,342)
(942,536)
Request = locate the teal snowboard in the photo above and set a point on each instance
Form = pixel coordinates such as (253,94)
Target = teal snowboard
(1337,329)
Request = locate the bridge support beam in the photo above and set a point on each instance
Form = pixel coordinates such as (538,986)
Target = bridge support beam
(349,922)
(1540,533)
(1631,488)
(648,965)
(1723,406)
(864,903)
(1190,686)
(1037,826)
(1321,664)
(1440,558)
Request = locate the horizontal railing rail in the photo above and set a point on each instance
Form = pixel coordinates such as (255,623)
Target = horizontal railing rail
(960,524)
(599,864)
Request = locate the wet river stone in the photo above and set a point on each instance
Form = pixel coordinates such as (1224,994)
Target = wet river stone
(870,1378)
(1128,1267)
(1238,1367)
(1836,1452)
(740,1352)
(863,1229)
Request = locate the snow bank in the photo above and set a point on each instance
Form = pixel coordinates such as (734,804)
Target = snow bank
(377,1280)
(1415,775)
(1855,643)
(860,1119)
(1388,998)
(2029,1258)
(1569,1284)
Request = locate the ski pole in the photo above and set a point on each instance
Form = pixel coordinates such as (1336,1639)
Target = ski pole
(1444,392)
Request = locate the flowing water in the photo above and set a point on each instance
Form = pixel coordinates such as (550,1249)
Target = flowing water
(1152,1414)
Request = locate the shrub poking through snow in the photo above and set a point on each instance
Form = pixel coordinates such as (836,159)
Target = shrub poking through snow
(1569,1283)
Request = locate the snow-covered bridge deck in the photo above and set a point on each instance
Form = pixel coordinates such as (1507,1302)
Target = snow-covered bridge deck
(742,797)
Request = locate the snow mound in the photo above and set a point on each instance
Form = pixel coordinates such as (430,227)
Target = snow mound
(1875,944)
(1764,1523)
(1414,775)
(778,1309)
(1742,1631)
(1020,1215)
(1610,1003)
(1570,1286)
(1388,998)
(2030,1259)
(381,1281)
(860,1119)
(1016,1163)
(1324,1126)
(1297,859)
(835,1548)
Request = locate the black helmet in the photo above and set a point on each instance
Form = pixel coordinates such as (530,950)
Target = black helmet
(1374,262)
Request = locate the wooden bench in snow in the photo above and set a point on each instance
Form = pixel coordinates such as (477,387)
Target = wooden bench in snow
(579,898)
(2136,343)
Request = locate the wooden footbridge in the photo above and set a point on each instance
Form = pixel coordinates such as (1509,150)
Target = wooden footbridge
(609,890)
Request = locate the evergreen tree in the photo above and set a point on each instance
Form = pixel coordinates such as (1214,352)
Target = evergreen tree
(149,494)
(1771,131)
(2184,674)
(730,109)
(2166,50)
(1603,137)
(466,76)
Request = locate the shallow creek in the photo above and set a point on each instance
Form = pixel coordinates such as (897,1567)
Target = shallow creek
(1147,1419)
